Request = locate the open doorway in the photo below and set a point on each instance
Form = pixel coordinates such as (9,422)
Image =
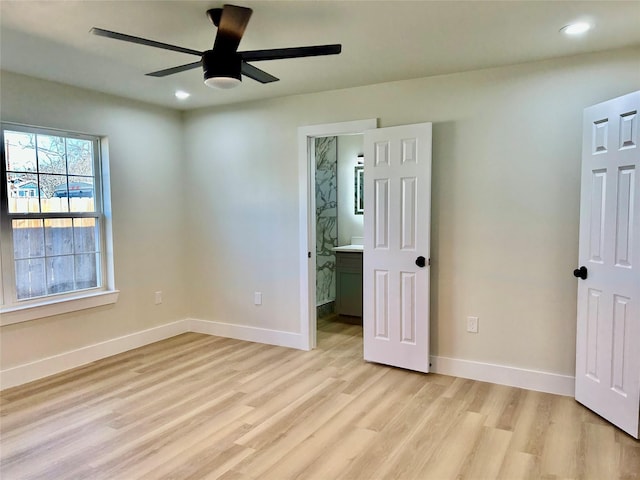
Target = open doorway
(397,194)
(339,241)
(308,220)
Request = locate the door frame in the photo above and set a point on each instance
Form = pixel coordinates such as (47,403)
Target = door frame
(307,206)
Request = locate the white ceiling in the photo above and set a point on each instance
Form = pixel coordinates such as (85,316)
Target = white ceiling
(381,41)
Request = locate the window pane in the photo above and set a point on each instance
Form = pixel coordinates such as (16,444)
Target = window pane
(53,192)
(50,173)
(20,151)
(28,239)
(30,279)
(85,235)
(59,274)
(58,233)
(80,157)
(23,193)
(81,194)
(86,270)
(51,154)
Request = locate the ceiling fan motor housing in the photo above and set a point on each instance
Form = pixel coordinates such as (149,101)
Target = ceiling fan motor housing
(221,65)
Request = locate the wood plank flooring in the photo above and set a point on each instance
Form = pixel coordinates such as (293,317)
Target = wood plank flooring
(202,407)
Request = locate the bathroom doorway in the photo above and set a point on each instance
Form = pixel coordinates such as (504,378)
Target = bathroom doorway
(396,253)
(339,233)
(318,238)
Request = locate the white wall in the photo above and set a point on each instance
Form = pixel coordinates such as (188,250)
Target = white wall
(147,186)
(506,164)
(349,224)
(206,204)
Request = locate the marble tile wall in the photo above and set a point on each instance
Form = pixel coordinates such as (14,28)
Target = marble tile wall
(326,218)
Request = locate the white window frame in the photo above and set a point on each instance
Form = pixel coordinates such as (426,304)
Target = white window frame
(13,310)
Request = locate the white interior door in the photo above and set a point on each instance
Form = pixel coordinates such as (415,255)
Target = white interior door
(608,328)
(397,206)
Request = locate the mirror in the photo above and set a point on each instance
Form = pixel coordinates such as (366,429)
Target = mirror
(359,188)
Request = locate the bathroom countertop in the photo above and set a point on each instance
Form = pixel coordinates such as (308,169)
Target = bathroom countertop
(349,248)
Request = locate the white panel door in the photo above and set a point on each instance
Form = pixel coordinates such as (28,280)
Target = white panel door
(608,329)
(397,206)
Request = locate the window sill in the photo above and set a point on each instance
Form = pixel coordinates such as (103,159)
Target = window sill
(50,307)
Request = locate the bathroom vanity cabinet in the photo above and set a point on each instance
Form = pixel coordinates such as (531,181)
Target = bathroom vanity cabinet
(349,282)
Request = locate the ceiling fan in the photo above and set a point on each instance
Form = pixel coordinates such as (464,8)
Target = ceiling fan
(223,65)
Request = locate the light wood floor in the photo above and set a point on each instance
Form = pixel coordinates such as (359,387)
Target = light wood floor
(196,407)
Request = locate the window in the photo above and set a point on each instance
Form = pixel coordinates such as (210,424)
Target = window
(54,233)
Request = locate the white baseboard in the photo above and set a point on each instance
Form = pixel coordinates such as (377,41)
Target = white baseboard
(29,372)
(485,372)
(250,334)
(503,375)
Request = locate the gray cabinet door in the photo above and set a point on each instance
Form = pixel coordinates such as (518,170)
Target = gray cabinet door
(349,283)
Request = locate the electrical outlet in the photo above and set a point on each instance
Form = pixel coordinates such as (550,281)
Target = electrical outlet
(158,299)
(472,324)
(257,298)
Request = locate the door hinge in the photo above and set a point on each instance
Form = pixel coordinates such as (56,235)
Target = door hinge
(308,254)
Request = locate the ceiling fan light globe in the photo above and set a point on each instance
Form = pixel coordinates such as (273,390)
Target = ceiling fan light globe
(223,83)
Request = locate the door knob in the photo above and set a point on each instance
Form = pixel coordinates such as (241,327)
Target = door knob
(580,273)
(421,261)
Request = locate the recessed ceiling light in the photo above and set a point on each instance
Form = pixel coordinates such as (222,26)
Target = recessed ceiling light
(182,95)
(577,28)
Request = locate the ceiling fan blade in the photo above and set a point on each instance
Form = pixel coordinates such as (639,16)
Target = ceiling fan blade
(233,22)
(294,52)
(257,74)
(171,71)
(142,41)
